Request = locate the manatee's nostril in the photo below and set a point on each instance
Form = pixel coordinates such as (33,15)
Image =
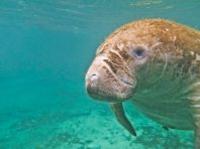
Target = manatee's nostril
(91,83)
(94,74)
(93,77)
(92,80)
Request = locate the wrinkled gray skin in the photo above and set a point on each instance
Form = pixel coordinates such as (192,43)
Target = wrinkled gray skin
(155,64)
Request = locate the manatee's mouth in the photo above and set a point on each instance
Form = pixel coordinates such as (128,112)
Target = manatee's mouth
(108,97)
(111,95)
(103,96)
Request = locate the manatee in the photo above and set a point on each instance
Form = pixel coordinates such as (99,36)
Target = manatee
(155,63)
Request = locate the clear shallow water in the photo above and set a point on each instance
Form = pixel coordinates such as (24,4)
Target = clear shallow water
(46,48)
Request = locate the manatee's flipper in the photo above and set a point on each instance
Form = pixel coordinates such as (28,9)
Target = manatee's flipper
(118,110)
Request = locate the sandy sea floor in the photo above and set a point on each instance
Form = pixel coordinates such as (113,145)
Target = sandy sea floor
(85,126)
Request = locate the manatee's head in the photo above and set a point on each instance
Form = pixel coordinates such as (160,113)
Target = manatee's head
(113,74)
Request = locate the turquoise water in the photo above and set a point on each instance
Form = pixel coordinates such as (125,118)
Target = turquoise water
(46,48)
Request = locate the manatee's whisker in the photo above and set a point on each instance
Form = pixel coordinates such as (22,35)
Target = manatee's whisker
(116,53)
(111,66)
(156,45)
(118,56)
(165,66)
(110,70)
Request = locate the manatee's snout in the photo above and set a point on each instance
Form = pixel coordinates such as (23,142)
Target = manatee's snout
(104,84)
(92,82)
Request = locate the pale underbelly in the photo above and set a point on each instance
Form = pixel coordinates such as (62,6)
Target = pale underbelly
(172,114)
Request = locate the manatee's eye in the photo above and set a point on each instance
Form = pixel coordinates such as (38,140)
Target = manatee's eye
(138,52)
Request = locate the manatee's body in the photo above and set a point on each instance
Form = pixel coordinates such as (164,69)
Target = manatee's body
(156,64)
(166,103)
